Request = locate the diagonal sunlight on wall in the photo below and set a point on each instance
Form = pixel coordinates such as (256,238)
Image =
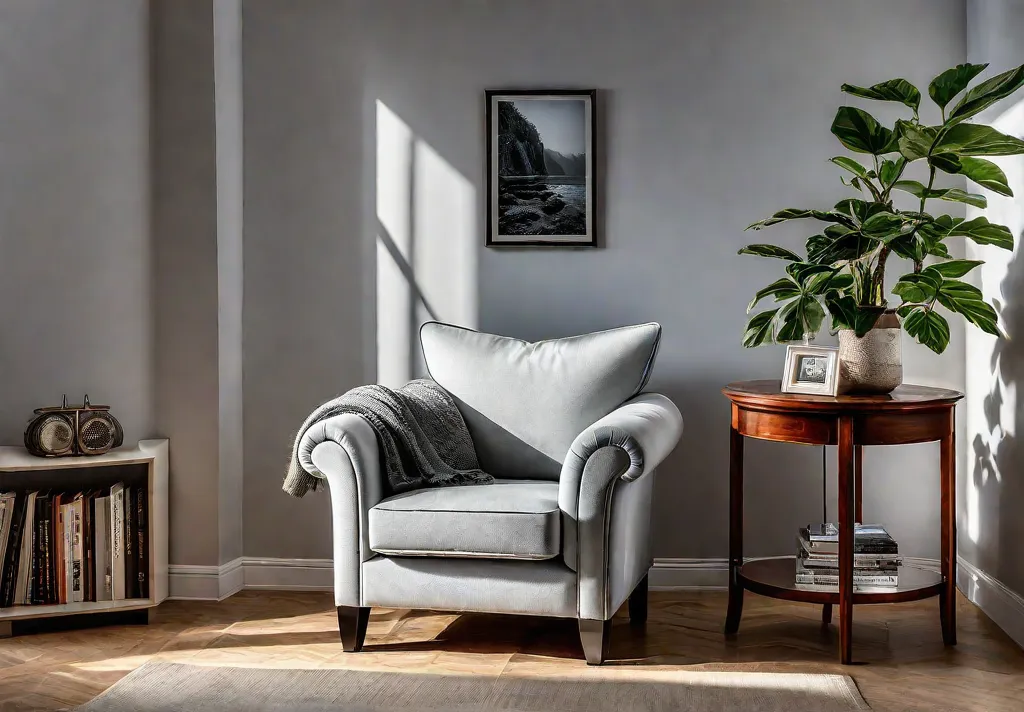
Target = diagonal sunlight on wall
(994,365)
(426,246)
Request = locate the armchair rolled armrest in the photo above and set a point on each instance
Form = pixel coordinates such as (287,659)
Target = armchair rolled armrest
(343,449)
(623,446)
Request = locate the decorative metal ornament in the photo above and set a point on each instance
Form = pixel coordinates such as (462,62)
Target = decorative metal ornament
(69,430)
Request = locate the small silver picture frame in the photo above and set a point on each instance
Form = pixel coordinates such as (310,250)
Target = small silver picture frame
(812,370)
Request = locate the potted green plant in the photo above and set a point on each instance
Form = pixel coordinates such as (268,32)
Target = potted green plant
(843,272)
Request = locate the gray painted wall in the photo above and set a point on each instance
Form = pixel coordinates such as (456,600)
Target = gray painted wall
(713,114)
(197,234)
(227,61)
(185,245)
(75,304)
(992,496)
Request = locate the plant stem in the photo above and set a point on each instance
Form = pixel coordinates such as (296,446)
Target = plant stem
(877,296)
(918,265)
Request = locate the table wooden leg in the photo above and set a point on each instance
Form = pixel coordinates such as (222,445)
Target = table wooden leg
(947,599)
(846,517)
(858,478)
(826,614)
(732,619)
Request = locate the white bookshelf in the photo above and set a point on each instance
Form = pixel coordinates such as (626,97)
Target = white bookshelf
(153,454)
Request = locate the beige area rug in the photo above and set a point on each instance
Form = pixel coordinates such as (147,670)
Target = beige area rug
(161,686)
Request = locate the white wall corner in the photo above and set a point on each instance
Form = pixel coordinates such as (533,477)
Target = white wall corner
(205,583)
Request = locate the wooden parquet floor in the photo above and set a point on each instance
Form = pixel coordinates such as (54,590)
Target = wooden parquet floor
(904,665)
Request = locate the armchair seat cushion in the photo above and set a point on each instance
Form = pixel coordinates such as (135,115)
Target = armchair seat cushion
(510,519)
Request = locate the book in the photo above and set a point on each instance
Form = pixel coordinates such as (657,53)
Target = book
(21,593)
(809,558)
(141,558)
(9,575)
(858,579)
(117,562)
(67,547)
(834,588)
(101,547)
(77,594)
(868,538)
(36,593)
(131,577)
(46,566)
(87,550)
(7,503)
(58,547)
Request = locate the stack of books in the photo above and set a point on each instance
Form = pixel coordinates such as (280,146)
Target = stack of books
(73,547)
(876,558)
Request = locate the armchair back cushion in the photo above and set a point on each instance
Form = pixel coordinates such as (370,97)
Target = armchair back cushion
(526,402)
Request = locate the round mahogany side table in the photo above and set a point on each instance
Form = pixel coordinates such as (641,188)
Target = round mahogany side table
(910,414)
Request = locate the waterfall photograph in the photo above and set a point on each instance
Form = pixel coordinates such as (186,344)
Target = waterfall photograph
(540,178)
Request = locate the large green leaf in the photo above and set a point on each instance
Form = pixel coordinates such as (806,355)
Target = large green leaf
(784,288)
(760,329)
(797,214)
(847,314)
(775,251)
(917,287)
(953,81)
(893,90)
(948,162)
(859,131)
(891,170)
(914,187)
(978,140)
(915,140)
(955,195)
(952,268)
(800,316)
(938,228)
(983,232)
(882,225)
(851,165)
(986,174)
(825,282)
(801,272)
(828,249)
(967,299)
(928,327)
(987,93)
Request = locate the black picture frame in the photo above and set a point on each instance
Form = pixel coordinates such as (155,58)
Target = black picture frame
(569,213)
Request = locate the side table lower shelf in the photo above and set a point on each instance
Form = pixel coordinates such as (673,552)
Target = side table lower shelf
(776,578)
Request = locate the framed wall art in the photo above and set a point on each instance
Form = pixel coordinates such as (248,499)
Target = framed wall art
(540,167)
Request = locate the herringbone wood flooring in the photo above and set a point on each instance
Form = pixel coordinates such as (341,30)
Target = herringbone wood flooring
(904,664)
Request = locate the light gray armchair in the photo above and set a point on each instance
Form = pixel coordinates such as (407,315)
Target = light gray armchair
(565,529)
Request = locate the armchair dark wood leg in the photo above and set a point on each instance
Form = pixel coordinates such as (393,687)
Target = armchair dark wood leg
(352,622)
(638,603)
(594,635)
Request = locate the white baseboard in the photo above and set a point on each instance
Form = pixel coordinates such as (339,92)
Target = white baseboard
(1002,605)
(289,574)
(205,583)
(215,583)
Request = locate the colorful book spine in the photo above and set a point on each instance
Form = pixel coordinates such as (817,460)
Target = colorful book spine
(101,541)
(141,555)
(117,548)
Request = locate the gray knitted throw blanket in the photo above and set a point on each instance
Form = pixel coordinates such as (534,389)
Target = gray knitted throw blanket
(423,440)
